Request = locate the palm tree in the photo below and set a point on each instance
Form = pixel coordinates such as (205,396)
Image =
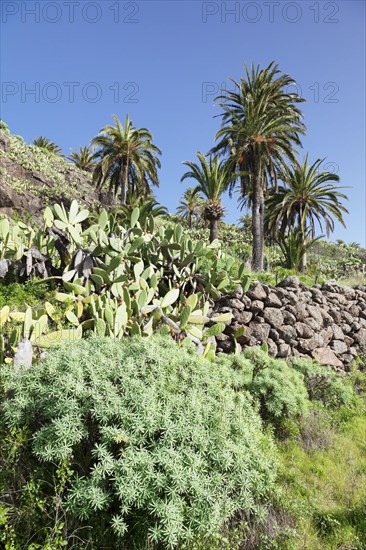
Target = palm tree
(45,143)
(246,222)
(294,246)
(260,127)
(126,158)
(213,178)
(306,199)
(190,205)
(84,158)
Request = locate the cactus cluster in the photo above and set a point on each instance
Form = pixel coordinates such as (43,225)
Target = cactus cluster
(119,276)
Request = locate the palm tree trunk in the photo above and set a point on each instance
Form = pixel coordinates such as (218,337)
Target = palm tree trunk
(123,182)
(303,263)
(258,227)
(304,257)
(214,229)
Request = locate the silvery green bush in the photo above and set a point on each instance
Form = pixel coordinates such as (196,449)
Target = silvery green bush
(162,446)
(278,388)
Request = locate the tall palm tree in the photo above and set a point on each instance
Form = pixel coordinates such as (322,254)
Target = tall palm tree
(307,198)
(45,143)
(190,205)
(261,125)
(84,158)
(213,178)
(126,158)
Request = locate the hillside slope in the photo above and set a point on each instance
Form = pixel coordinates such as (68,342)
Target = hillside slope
(31,177)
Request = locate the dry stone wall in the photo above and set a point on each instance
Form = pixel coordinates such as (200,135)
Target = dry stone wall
(327,323)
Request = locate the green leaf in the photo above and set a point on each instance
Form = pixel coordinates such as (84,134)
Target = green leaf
(215,329)
(135,216)
(196,332)
(17,316)
(48,217)
(138,269)
(75,235)
(187,260)
(223,284)
(247,281)
(154,281)
(222,318)
(141,298)
(77,289)
(121,319)
(108,314)
(239,332)
(100,327)
(27,322)
(81,216)
(60,224)
(135,245)
(103,274)
(135,330)
(60,211)
(74,208)
(178,232)
(192,301)
(187,310)
(4,314)
(103,219)
(148,328)
(114,263)
(4,228)
(39,328)
(69,275)
(54,338)
(62,297)
(169,298)
(71,317)
(198,319)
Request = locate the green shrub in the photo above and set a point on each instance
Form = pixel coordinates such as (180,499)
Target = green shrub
(20,295)
(324,384)
(161,446)
(279,388)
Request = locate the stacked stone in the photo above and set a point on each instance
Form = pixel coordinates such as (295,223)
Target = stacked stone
(327,323)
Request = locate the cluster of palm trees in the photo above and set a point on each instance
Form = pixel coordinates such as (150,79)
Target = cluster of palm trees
(261,129)
(255,153)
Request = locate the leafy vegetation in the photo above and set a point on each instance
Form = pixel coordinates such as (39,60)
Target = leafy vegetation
(120,274)
(67,179)
(159,447)
(111,440)
(155,446)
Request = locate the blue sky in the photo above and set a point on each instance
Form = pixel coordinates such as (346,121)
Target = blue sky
(162,63)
